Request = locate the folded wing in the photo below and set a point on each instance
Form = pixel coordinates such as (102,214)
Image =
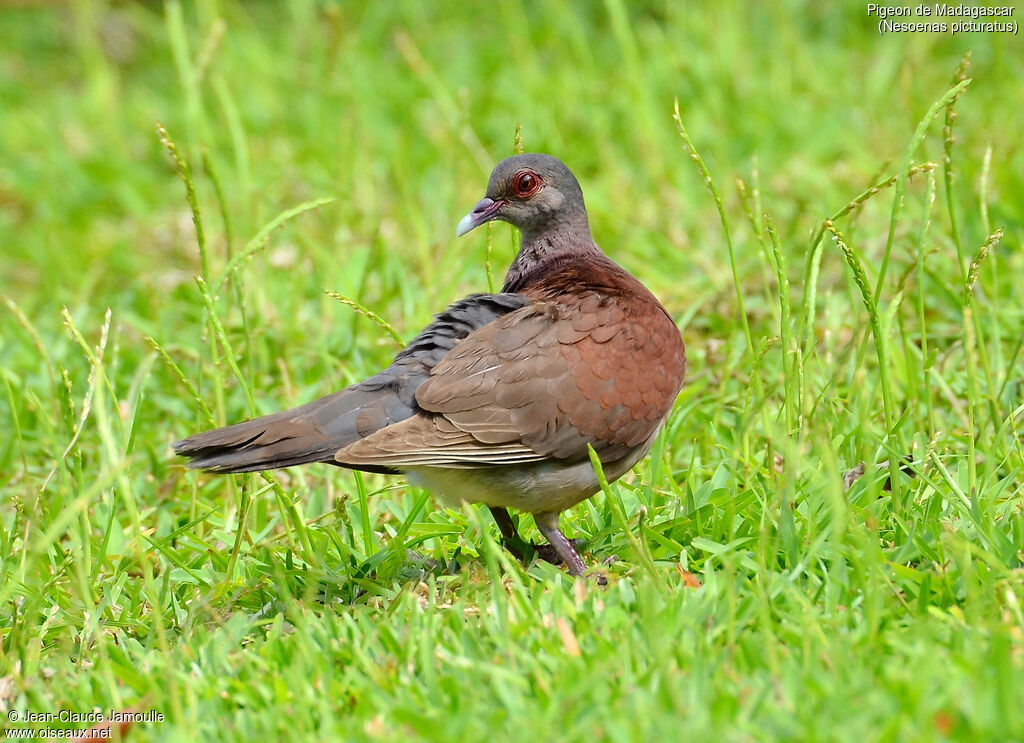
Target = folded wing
(315,431)
(540,382)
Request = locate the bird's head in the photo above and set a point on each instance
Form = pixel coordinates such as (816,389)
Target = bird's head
(532,192)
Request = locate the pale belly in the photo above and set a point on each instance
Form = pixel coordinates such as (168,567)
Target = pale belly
(538,487)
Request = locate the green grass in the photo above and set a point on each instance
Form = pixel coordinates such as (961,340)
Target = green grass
(866,213)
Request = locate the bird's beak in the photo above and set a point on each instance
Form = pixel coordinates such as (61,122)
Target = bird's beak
(485,210)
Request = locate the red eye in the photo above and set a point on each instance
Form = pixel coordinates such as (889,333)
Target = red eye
(525,184)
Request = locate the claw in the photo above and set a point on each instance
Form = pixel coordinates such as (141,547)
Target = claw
(558,551)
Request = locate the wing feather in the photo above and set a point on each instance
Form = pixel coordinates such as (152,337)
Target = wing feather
(540,382)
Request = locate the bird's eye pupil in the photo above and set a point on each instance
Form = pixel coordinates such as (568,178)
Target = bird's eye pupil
(526,183)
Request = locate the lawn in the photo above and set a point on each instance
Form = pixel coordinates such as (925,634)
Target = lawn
(215,210)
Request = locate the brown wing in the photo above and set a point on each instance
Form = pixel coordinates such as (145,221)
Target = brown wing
(541,382)
(315,431)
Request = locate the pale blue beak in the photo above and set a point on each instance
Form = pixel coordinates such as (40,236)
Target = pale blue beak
(485,210)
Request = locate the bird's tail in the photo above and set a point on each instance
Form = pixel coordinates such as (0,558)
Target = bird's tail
(315,431)
(311,433)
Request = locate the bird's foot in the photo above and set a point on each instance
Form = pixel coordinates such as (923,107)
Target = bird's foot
(526,551)
(558,551)
(563,548)
(548,553)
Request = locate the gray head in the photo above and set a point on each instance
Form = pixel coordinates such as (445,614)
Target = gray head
(533,192)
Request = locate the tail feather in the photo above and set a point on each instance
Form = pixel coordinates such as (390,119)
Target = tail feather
(315,431)
(310,433)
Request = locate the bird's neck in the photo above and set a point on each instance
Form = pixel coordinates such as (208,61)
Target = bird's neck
(539,253)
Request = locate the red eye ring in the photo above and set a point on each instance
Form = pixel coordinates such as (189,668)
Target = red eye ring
(526,183)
